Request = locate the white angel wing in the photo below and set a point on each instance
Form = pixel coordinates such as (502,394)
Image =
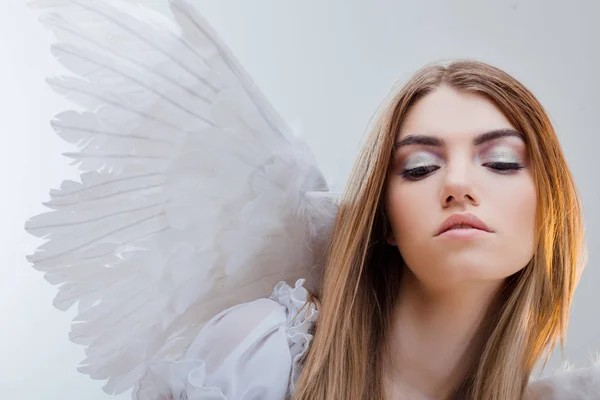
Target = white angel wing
(194,194)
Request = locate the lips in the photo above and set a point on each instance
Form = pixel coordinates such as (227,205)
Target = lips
(464,220)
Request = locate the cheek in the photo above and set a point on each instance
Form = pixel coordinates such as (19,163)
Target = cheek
(516,205)
(409,207)
(513,210)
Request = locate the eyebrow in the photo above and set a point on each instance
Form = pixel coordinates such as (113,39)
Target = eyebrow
(438,142)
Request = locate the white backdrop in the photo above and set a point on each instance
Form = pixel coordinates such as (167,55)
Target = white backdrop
(326,63)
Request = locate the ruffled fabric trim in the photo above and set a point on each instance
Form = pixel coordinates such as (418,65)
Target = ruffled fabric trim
(301,317)
(186,378)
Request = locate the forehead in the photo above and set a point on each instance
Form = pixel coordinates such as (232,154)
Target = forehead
(450,114)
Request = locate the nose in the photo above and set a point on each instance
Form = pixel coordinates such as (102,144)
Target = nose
(458,185)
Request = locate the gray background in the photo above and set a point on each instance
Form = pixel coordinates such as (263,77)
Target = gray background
(327,64)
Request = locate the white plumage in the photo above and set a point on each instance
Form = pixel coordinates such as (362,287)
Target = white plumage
(194,194)
(569,383)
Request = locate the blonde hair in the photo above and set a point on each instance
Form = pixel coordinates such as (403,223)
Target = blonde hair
(362,273)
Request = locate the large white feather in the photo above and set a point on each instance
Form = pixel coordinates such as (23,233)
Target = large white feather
(194,194)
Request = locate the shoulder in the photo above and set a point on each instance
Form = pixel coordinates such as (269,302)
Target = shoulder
(568,384)
(252,349)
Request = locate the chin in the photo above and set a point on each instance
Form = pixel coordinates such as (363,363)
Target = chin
(465,267)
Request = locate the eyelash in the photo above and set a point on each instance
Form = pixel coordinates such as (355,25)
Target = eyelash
(420,172)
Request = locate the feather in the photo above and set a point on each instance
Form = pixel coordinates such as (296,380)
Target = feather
(569,384)
(194,194)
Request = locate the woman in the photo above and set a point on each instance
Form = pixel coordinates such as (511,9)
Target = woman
(450,269)
(451,266)
(412,310)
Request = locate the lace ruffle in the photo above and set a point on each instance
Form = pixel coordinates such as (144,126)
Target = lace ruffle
(301,316)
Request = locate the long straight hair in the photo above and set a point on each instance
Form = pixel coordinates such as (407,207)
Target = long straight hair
(362,272)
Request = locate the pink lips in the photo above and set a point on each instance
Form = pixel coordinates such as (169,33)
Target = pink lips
(462,219)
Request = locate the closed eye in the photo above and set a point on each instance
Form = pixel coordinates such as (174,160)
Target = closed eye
(414,174)
(504,167)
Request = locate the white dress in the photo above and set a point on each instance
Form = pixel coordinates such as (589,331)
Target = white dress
(250,351)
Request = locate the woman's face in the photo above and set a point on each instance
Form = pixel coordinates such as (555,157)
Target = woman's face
(456,153)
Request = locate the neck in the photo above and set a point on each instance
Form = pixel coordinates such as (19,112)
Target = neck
(432,335)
